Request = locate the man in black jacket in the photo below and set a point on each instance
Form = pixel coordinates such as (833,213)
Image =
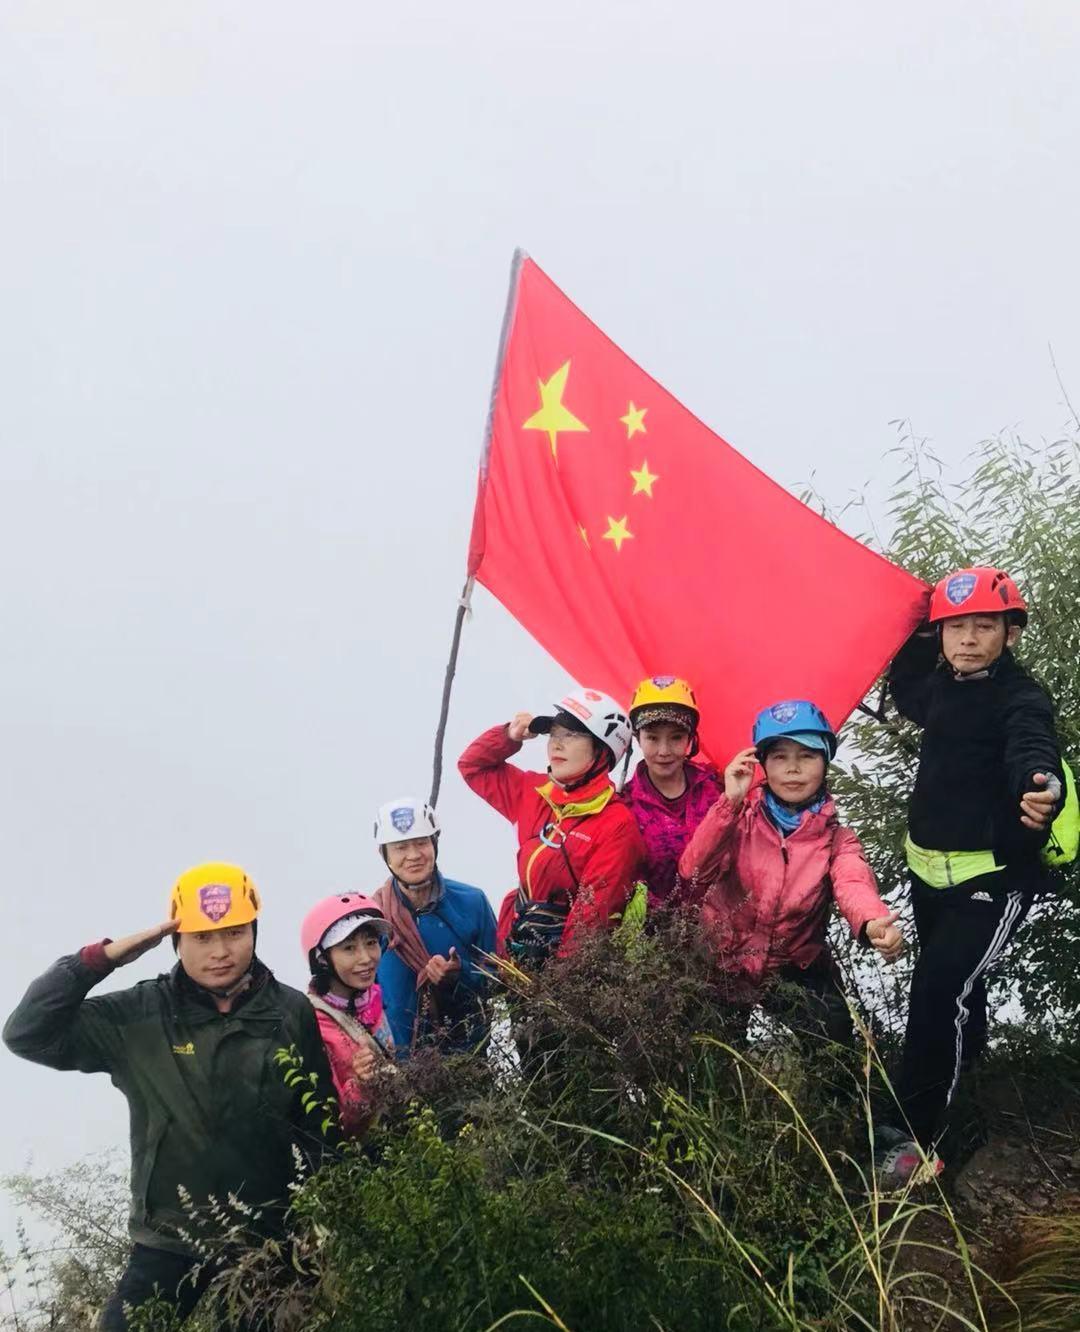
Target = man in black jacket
(988,783)
(194,1054)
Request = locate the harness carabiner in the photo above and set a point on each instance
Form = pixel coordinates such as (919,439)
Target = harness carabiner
(548,835)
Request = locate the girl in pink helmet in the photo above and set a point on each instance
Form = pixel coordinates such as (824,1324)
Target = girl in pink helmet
(342,938)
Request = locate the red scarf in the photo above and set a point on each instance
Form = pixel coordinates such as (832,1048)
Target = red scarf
(406,941)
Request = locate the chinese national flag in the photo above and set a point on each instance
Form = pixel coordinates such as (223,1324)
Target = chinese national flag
(631,541)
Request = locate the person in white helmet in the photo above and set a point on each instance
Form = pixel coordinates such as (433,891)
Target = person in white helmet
(433,974)
(579,849)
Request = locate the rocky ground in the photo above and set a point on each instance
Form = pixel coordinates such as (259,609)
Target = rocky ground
(1023,1172)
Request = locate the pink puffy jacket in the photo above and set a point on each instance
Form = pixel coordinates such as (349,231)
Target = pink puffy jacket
(767,898)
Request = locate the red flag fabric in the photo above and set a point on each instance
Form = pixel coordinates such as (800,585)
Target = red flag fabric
(630,540)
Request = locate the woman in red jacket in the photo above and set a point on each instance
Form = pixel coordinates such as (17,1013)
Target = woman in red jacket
(579,849)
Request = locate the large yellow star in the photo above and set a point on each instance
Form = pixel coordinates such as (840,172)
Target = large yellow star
(553,418)
(634,420)
(618,532)
(644,480)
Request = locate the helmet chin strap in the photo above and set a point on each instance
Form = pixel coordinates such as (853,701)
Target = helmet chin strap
(415,887)
(983,673)
(600,764)
(803,804)
(429,882)
(229,991)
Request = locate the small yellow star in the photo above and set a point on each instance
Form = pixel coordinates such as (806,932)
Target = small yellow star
(618,532)
(634,420)
(584,535)
(553,418)
(644,480)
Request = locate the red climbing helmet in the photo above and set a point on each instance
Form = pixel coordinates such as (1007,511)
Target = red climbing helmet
(978,591)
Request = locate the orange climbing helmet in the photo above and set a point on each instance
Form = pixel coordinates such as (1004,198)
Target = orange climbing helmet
(214,896)
(978,591)
(664,698)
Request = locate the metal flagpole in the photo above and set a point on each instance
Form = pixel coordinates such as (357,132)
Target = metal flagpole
(463,609)
(465,600)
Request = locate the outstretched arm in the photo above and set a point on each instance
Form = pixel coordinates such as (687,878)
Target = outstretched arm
(1033,761)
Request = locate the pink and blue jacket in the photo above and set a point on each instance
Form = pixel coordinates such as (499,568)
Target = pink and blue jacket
(666,827)
(765,898)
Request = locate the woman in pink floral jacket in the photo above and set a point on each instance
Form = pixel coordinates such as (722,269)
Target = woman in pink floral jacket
(668,794)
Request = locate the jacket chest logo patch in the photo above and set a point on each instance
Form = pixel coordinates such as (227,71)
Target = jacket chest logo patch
(583,836)
(188,1049)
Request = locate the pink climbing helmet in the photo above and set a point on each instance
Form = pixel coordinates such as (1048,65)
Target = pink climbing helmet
(332,920)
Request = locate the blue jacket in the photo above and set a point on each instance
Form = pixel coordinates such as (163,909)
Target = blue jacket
(459,916)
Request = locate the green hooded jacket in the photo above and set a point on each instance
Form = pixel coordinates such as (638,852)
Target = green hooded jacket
(210,1110)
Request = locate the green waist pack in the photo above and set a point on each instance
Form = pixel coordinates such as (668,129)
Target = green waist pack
(1064,839)
(946,869)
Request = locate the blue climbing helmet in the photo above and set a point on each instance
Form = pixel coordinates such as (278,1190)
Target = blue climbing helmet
(796,719)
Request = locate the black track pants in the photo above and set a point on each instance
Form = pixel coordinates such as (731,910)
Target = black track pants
(962,933)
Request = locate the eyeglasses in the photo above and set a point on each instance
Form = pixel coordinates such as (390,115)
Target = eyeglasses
(561,734)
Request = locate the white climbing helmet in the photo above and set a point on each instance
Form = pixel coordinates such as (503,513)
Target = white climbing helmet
(599,714)
(403,819)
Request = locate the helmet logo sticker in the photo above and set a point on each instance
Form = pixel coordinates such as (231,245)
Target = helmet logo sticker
(959,587)
(572,705)
(403,818)
(783,712)
(663,681)
(593,696)
(215,901)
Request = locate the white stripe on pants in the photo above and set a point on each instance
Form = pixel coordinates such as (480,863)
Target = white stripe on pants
(1013,906)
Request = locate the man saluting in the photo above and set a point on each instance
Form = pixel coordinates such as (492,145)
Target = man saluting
(194,1054)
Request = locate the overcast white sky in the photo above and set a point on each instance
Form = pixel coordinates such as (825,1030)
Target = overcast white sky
(252,267)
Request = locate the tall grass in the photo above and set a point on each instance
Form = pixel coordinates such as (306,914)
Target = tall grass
(1041,1291)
